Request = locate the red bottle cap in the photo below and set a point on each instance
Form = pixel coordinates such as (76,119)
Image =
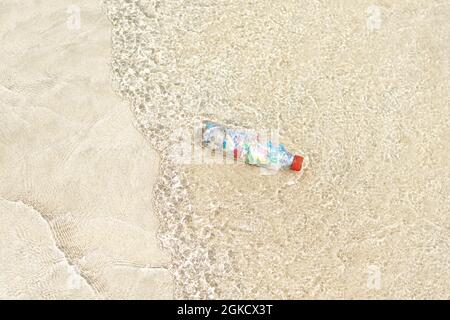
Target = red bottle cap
(297,163)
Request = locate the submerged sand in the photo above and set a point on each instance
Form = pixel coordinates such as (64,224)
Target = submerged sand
(360,87)
(87,199)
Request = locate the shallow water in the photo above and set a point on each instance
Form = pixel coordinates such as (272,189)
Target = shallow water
(366,103)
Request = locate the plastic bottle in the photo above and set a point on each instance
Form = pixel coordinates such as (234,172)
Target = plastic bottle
(248,146)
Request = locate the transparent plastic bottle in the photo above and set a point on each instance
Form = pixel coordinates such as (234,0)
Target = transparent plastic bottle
(249,147)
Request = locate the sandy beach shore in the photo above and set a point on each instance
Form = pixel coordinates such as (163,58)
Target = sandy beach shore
(76,214)
(97,96)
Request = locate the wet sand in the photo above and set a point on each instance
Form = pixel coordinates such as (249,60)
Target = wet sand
(76,216)
(93,205)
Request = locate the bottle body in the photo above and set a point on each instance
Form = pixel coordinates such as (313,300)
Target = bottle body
(249,147)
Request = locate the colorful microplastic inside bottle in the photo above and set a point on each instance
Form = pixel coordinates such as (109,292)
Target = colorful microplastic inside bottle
(249,146)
